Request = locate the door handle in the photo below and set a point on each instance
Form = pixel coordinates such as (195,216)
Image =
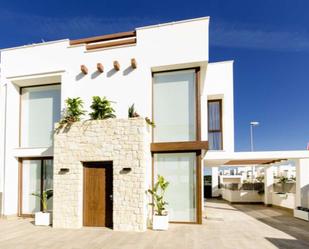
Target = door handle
(111,197)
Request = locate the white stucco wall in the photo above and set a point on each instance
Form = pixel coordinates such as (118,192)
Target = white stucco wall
(286,200)
(219,85)
(159,47)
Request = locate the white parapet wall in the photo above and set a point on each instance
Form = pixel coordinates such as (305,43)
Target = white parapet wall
(242,196)
(125,142)
(286,200)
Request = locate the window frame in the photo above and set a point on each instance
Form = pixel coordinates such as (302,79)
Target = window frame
(197,102)
(221,123)
(184,146)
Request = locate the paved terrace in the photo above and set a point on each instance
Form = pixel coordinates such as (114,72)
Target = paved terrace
(226,226)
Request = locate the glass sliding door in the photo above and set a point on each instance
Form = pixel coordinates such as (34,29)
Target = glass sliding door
(37,176)
(179,169)
(47,178)
(174,101)
(31,183)
(40,109)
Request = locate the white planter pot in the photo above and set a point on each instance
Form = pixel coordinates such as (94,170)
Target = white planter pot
(42,219)
(301,214)
(159,222)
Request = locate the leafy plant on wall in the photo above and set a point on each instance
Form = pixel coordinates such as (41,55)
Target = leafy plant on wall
(101,108)
(132,113)
(150,122)
(73,111)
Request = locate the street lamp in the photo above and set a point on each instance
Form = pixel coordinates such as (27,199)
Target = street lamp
(252,124)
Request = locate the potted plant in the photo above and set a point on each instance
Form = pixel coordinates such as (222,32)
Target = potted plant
(160,216)
(102,108)
(132,112)
(43,218)
(72,112)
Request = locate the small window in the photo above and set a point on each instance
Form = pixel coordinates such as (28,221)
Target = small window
(215,125)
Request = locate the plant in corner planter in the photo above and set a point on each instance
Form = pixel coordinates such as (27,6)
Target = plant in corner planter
(43,218)
(160,216)
(132,113)
(102,108)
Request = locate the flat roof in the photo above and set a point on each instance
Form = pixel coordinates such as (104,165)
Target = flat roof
(106,37)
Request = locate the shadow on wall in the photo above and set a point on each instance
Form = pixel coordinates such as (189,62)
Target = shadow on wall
(288,243)
(79,76)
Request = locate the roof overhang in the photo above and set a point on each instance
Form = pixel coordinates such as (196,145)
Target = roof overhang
(221,158)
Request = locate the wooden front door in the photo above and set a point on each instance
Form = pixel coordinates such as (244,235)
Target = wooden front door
(98,194)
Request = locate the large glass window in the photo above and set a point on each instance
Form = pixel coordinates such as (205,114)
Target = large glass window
(174,103)
(215,124)
(180,170)
(37,176)
(40,109)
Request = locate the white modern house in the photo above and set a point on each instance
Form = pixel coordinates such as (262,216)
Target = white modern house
(100,170)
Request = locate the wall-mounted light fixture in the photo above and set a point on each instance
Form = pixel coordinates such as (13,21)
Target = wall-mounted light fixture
(125,170)
(64,171)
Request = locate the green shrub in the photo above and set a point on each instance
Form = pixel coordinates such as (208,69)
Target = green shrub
(73,111)
(102,108)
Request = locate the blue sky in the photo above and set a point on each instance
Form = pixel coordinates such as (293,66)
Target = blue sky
(268,41)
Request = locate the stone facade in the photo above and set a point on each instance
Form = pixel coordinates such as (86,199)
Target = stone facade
(126,142)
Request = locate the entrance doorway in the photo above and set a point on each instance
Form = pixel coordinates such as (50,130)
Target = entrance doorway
(98,194)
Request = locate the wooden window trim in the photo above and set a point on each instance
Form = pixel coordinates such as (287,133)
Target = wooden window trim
(178,146)
(221,123)
(20,183)
(198,168)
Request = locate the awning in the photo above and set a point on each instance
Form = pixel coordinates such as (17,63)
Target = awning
(221,158)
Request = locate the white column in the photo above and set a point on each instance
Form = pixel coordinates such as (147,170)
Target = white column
(268,184)
(302,183)
(214,181)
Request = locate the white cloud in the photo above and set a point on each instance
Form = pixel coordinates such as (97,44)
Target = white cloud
(249,36)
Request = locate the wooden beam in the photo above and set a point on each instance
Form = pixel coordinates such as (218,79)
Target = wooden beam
(103,38)
(100,67)
(133,63)
(179,146)
(111,44)
(84,69)
(116,65)
(252,161)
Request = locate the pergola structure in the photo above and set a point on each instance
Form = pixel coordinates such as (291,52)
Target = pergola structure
(266,159)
